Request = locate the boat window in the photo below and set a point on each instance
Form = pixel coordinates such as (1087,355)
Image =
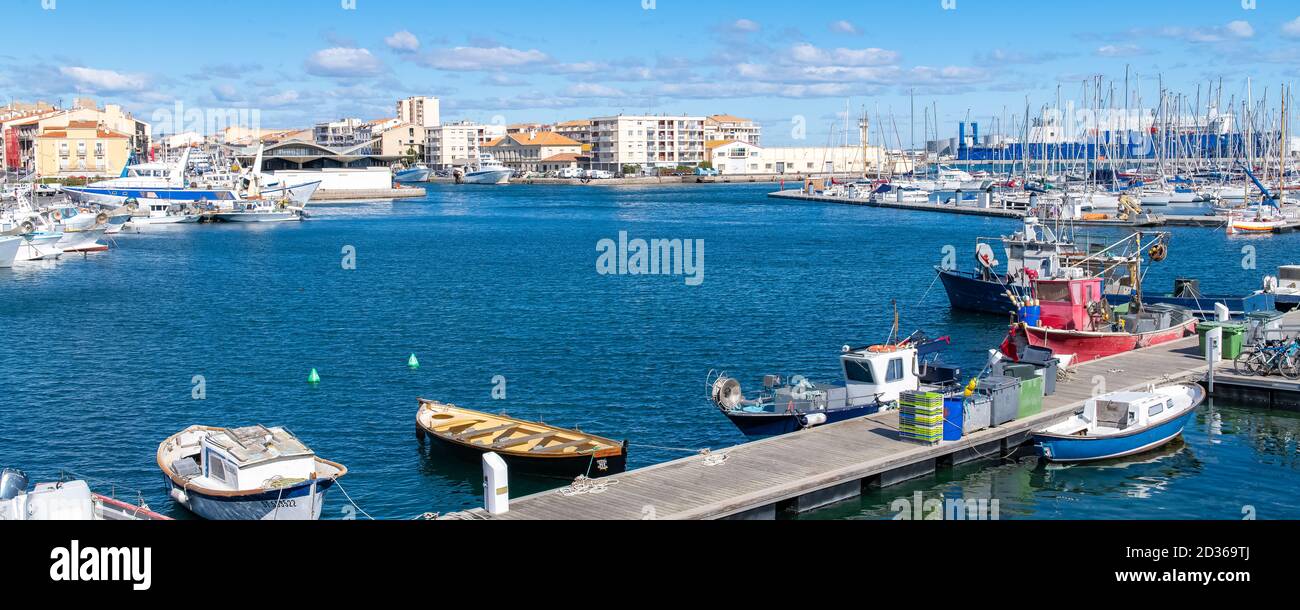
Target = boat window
(216,469)
(857,370)
(1156,410)
(895,370)
(1054,292)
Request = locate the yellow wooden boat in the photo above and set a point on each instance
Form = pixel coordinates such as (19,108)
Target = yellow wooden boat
(532,447)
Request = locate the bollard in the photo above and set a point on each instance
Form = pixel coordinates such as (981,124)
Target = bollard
(1213,354)
(496,484)
(1221,312)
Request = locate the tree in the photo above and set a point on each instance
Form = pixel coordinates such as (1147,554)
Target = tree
(631,169)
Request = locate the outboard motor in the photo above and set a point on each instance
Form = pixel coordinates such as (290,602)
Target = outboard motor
(13,483)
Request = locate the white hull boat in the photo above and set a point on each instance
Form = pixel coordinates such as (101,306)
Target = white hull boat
(40,247)
(9,251)
(250,473)
(82,241)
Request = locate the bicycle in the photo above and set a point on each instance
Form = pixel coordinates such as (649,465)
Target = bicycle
(1267,357)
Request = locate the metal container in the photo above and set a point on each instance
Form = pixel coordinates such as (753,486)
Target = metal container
(1021,371)
(1004,393)
(979,414)
(1048,372)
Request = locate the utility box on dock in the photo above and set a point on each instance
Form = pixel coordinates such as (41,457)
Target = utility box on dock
(979,414)
(1004,394)
(496,484)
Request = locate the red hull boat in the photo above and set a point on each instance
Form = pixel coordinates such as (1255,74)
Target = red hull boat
(1086,346)
(1077,321)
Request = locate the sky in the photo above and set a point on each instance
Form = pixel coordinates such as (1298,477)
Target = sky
(797,68)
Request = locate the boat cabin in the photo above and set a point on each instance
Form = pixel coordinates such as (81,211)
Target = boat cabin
(1120,412)
(1033,250)
(1066,303)
(1288,277)
(243,459)
(879,373)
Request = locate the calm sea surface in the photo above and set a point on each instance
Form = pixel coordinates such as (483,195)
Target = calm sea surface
(100,354)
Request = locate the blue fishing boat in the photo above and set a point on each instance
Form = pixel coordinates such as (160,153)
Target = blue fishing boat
(1187,294)
(874,377)
(1033,252)
(1120,424)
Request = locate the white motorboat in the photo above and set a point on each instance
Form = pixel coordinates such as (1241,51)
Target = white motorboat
(250,473)
(416,173)
(40,246)
(487,171)
(9,250)
(63,501)
(154,212)
(82,241)
(261,211)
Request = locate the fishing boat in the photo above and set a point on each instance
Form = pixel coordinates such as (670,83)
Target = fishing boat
(9,250)
(155,212)
(261,211)
(40,246)
(1121,424)
(81,242)
(249,473)
(1074,318)
(874,377)
(1035,251)
(63,501)
(1285,287)
(486,171)
(1187,295)
(531,447)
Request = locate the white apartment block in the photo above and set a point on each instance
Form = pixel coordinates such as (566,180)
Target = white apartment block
(650,141)
(728,127)
(421,111)
(345,133)
(458,144)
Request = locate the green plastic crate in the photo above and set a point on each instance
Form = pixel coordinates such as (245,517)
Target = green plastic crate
(1031,397)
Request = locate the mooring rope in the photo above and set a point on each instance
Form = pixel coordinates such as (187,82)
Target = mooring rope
(350,501)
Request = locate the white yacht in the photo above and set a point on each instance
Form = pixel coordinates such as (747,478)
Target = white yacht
(487,171)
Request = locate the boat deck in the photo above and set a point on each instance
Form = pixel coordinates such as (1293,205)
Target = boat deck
(820,466)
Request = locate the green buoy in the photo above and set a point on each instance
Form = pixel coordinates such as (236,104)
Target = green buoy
(413,362)
(314,377)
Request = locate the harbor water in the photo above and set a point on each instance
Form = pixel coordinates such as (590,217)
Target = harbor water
(496,290)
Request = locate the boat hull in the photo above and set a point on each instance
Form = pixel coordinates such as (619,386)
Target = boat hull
(9,251)
(1059,448)
(301,502)
(1088,346)
(560,467)
(969,292)
(762,425)
(413,175)
(257,216)
(501,176)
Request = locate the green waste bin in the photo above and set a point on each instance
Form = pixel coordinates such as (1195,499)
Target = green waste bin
(1233,333)
(1031,397)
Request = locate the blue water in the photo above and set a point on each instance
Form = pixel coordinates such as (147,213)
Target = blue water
(100,353)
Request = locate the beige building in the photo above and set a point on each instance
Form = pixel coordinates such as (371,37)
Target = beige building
(404,140)
(421,111)
(648,141)
(728,127)
(526,152)
(81,148)
(458,144)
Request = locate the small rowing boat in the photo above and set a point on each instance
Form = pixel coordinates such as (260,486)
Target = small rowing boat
(531,447)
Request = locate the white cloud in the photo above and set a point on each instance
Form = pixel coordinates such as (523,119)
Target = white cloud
(806,53)
(281,99)
(403,42)
(845,27)
(1234,30)
(107,81)
(1240,29)
(344,61)
(1292,28)
(593,90)
(745,25)
(1120,50)
(226,92)
(482,58)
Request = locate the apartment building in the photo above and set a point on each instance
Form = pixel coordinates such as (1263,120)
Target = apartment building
(81,148)
(648,141)
(344,133)
(728,127)
(458,144)
(420,111)
(22,124)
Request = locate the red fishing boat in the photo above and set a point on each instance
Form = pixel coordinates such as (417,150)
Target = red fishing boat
(1074,319)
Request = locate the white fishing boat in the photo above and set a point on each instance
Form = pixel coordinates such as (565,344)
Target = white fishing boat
(487,171)
(154,212)
(40,246)
(1121,424)
(416,173)
(9,250)
(261,211)
(63,501)
(250,473)
(82,241)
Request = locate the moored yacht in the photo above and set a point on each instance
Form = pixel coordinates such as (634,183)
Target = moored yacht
(487,171)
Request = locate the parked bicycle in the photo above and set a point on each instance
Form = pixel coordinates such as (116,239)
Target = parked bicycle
(1265,358)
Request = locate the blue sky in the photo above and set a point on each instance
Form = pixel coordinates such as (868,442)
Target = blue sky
(301,61)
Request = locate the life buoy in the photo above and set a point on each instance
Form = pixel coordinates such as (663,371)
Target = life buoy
(57,215)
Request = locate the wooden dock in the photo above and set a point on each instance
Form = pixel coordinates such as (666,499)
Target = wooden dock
(820,466)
